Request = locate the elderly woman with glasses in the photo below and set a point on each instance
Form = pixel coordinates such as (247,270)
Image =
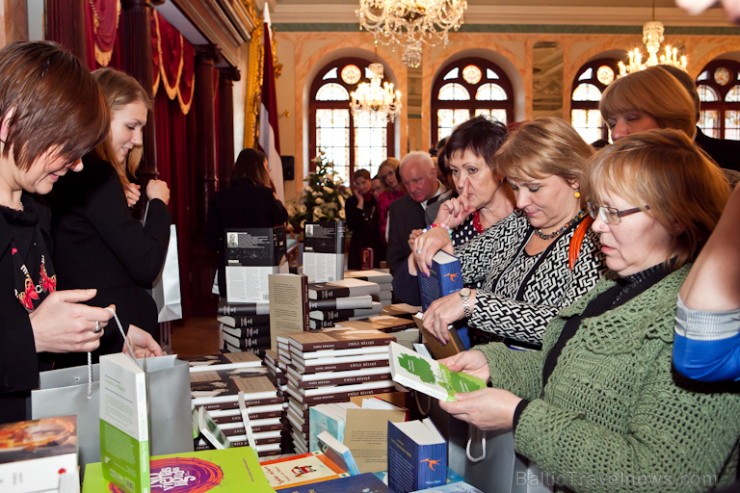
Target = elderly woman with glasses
(601,407)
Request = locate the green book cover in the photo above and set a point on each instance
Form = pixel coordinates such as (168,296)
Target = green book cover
(124,428)
(228,470)
(426,375)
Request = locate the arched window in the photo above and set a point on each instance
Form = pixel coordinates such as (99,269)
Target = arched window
(468,88)
(588,85)
(350,144)
(719,90)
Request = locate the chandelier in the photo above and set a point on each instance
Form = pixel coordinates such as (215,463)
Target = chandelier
(380,103)
(409,23)
(652,37)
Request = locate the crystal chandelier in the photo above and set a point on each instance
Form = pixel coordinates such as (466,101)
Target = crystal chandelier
(409,23)
(652,37)
(381,103)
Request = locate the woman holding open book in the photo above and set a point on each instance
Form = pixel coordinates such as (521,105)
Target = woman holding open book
(601,408)
(532,263)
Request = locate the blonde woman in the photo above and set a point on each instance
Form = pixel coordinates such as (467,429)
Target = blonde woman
(98,244)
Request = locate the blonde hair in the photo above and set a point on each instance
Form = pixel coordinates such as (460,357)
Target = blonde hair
(653,91)
(663,169)
(544,147)
(120,89)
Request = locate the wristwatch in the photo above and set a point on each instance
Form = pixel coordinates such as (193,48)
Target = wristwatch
(465,297)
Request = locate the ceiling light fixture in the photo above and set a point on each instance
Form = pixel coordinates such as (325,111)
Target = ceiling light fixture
(380,102)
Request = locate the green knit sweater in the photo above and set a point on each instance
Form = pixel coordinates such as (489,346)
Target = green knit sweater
(614,415)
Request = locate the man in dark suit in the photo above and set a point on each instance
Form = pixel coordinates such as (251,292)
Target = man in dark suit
(419,176)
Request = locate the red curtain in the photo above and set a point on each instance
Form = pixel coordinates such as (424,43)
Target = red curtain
(101,31)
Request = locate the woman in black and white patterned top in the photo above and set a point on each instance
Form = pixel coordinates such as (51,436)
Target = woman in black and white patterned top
(537,260)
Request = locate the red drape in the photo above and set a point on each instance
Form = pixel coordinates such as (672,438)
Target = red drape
(101,30)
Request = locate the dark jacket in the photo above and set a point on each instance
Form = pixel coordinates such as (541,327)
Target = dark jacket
(365,227)
(726,153)
(405,215)
(98,244)
(240,205)
(19,362)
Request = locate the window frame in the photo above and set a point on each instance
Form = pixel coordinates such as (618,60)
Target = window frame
(721,106)
(594,81)
(314,105)
(471,104)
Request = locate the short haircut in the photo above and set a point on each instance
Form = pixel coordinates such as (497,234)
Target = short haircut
(480,136)
(361,173)
(120,89)
(655,92)
(663,169)
(544,147)
(418,157)
(49,100)
(250,167)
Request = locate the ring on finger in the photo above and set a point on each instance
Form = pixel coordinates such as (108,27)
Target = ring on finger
(98,328)
(418,251)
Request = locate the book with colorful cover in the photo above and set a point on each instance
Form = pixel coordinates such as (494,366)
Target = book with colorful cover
(228,470)
(297,470)
(363,483)
(416,371)
(124,426)
(34,453)
(417,456)
(338,452)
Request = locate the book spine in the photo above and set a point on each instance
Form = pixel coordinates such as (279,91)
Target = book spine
(247,342)
(326,382)
(244,309)
(344,396)
(305,305)
(246,332)
(308,347)
(351,303)
(243,321)
(326,293)
(220,406)
(357,365)
(329,314)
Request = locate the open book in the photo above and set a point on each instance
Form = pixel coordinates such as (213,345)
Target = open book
(418,372)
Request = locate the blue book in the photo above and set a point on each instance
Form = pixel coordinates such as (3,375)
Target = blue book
(456,487)
(364,483)
(445,277)
(338,452)
(417,456)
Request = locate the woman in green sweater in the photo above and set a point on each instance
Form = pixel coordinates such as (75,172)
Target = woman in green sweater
(600,408)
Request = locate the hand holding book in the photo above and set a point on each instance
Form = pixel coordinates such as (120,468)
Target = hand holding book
(487,409)
(472,362)
(434,239)
(443,312)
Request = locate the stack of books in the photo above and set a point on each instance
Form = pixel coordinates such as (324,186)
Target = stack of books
(332,366)
(344,299)
(251,255)
(216,383)
(382,278)
(244,326)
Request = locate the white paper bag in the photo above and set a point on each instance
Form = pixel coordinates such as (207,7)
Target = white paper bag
(166,288)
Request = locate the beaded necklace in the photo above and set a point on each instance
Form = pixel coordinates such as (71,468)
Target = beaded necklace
(477,225)
(561,230)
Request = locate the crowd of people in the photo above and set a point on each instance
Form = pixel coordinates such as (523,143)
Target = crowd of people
(604,285)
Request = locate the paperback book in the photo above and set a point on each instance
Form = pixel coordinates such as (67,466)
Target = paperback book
(302,469)
(417,372)
(341,288)
(323,250)
(231,309)
(124,427)
(347,303)
(337,339)
(363,483)
(224,361)
(445,277)
(234,470)
(417,456)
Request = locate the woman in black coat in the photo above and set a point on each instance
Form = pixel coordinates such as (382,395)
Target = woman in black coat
(248,201)
(97,242)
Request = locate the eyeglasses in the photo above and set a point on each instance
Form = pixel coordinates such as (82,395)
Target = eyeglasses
(611,215)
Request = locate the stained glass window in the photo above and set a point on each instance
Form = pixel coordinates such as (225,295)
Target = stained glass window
(719,91)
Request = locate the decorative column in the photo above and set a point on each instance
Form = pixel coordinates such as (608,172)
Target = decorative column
(206,171)
(136,60)
(65,24)
(226,122)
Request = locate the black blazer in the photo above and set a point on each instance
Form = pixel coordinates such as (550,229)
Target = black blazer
(19,362)
(365,226)
(98,244)
(726,153)
(240,205)
(404,216)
